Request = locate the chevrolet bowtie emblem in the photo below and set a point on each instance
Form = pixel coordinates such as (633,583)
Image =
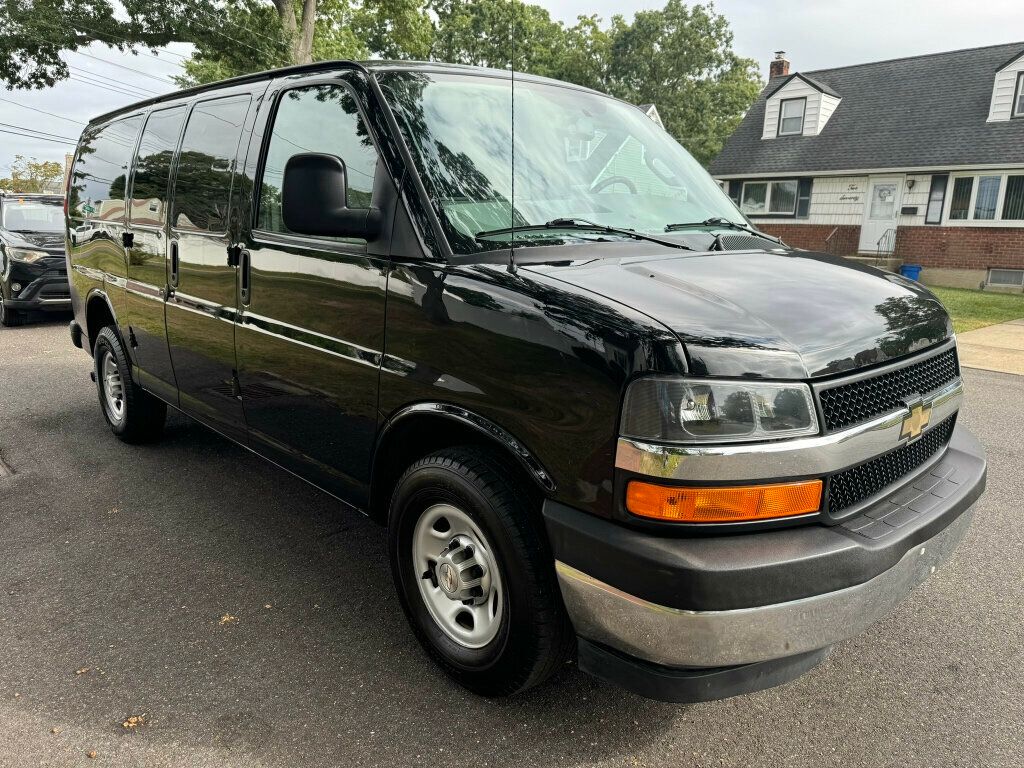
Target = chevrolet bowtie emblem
(917,420)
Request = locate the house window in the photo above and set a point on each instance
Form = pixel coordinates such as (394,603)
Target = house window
(769,197)
(988,198)
(1013,204)
(1006,277)
(791,117)
(936,200)
(1018,97)
(960,207)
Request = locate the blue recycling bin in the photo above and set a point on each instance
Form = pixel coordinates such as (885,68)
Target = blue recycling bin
(913,271)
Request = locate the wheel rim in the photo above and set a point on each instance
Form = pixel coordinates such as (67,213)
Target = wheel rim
(113,387)
(457,576)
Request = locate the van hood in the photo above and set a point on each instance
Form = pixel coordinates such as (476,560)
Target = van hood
(779,315)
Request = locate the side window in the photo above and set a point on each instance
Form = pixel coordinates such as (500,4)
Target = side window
(100,173)
(320,118)
(153,166)
(202,186)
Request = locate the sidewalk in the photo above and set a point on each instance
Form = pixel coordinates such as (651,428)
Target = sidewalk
(997,347)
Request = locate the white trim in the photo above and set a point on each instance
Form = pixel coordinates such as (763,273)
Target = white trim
(920,169)
(782,116)
(1018,96)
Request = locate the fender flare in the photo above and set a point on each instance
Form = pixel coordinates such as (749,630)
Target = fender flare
(526,458)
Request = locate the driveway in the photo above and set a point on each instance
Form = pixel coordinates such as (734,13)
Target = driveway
(251,622)
(998,347)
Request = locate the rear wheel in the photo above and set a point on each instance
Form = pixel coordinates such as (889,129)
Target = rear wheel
(475,573)
(133,414)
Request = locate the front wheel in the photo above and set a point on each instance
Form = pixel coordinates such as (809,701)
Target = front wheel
(133,414)
(475,574)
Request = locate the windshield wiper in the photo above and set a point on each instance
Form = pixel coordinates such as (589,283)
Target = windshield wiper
(581,224)
(717,221)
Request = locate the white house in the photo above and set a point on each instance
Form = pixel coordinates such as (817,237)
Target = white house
(916,160)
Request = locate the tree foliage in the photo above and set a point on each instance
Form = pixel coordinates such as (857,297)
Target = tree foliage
(679,57)
(28,175)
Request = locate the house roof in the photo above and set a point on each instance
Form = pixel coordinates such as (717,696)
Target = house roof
(784,81)
(919,112)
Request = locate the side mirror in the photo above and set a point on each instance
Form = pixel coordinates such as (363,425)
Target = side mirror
(314,200)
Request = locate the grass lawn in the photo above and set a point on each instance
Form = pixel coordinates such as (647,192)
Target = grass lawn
(976,309)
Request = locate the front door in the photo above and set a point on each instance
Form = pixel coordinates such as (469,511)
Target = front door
(881,212)
(202,305)
(311,329)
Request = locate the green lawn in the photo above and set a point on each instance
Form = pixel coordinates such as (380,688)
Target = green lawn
(976,309)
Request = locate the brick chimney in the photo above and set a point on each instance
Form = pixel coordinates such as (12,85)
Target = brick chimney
(779,66)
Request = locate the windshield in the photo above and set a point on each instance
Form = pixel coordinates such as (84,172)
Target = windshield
(33,216)
(575,154)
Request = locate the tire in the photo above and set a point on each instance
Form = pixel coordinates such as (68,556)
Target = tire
(9,318)
(139,417)
(529,637)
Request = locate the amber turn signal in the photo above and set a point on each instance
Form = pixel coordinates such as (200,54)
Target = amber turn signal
(722,505)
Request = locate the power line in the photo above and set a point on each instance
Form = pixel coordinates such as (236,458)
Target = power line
(33,130)
(113,85)
(163,80)
(42,111)
(39,138)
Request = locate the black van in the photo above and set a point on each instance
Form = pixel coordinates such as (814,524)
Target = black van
(33,276)
(598,413)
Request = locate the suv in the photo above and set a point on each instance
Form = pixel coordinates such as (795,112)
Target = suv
(32,261)
(596,411)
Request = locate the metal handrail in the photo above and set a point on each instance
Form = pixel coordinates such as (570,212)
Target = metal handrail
(829,247)
(886,245)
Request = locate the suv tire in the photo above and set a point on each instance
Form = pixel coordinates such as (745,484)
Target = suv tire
(467,502)
(9,318)
(133,414)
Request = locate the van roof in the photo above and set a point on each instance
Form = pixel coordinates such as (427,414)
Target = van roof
(327,66)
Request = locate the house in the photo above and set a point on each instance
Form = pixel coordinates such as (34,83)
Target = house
(915,160)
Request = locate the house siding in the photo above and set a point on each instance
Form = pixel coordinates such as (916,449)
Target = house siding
(1003,91)
(814,119)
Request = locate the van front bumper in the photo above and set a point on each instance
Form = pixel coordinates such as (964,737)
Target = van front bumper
(761,606)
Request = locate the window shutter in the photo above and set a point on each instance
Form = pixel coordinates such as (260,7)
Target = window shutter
(803,198)
(936,199)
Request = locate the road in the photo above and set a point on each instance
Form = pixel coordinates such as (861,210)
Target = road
(253,623)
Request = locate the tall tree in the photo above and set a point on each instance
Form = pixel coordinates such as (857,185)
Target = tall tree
(29,175)
(681,59)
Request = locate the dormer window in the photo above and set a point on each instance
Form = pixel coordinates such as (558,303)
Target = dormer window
(1018,97)
(791,117)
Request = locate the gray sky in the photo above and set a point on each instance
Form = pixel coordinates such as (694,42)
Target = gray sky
(815,34)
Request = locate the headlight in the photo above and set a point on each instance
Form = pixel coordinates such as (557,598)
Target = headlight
(714,411)
(26,255)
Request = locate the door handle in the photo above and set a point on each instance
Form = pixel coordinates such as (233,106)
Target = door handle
(128,239)
(245,268)
(174,265)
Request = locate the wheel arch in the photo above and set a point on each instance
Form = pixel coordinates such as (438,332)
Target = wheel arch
(99,312)
(421,429)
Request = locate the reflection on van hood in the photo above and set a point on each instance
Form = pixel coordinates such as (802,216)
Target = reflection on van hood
(784,315)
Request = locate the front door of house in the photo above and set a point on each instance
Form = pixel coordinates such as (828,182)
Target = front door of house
(881,211)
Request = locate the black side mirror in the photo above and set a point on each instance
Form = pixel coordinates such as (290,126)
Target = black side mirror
(314,200)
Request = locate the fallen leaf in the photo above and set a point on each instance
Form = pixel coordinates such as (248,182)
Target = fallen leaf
(82,671)
(91,754)
(268,605)
(55,730)
(134,721)
(227,618)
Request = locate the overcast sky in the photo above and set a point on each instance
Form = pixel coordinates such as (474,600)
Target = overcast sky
(816,34)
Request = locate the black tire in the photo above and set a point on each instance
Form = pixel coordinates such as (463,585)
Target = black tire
(142,416)
(535,638)
(9,318)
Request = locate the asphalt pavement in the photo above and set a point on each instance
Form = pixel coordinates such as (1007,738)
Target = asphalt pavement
(248,620)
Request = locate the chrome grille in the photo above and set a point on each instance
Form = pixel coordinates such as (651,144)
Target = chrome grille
(844,405)
(853,485)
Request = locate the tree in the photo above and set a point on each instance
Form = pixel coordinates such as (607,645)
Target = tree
(28,175)
(681,59)
(231,36)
